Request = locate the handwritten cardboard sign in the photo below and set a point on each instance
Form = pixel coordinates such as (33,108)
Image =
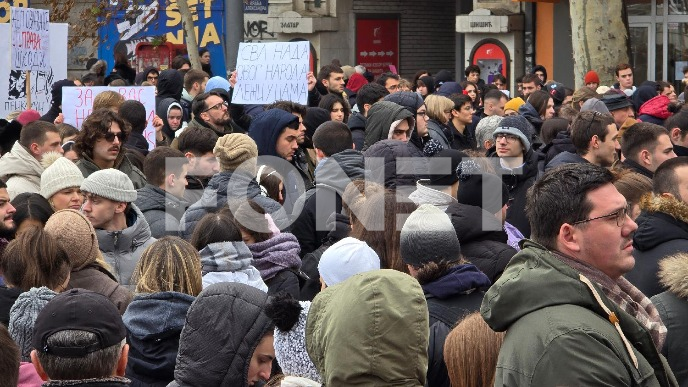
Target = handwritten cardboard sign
(269,72)
(77,104)
(30,38)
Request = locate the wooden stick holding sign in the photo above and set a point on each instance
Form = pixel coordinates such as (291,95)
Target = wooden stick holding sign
(28,89)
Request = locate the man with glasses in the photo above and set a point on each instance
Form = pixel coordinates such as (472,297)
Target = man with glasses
(662,224)
(564,297)
(211,110)
(100,144)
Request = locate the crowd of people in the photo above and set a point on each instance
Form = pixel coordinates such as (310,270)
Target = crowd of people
(438,231)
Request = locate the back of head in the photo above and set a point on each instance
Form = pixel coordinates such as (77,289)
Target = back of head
(436,106)
(108,100)
(134,113)
(75,234)
(429,236)
(666,178)
(214,228)
(9,359)
(35,132)
(226,320)
(197,140)
(552,127)
(632,185)
(31,207)
(170,264)
(345,319)
(539,99)
(408,99)
(581,95)
(161,162)
(587,125)
(237,151)
(640,136)
(560,196)
(332,137)
(678,120)
(486,126)
(170,84)
(315,117)
(346,258)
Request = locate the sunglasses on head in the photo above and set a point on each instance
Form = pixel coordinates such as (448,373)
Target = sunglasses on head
(110,137)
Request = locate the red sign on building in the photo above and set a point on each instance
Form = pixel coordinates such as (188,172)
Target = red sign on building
(377,44)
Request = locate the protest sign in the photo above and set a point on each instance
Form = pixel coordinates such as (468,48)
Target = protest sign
(13,82)
(268,72)
(30,39)
(77,104)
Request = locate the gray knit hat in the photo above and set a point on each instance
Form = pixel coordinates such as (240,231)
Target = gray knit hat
(59,173)
(23,316)
(110,184)
(428,236)
(290,348)
(517,126)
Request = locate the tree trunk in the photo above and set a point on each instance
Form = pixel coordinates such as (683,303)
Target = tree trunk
(190,33)
(600,38)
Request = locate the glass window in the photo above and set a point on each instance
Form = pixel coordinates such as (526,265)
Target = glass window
(678,54)
(639,39)
(660,8)
(659,56)
(639,7)
(678,7)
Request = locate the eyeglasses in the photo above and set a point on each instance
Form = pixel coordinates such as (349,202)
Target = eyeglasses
(110,137)
(507,137)
(217,106)
(620,215)
(422,114)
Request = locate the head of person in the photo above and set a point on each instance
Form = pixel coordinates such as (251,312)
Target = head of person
(404,84)
(152,76)
(332,78)
(500,81)
(271,183)
(543,103)
(236,153)
(471,89)
(591,80)
(242,341)
(390,82)
(32,210)
(511,107)
(67,132)
(443,166)
(331,138)
(415,105)
(175,116)
(79,335)
(89,79)
(484,131)
(166,168)
(39,137)
(134,113)
(195,81)
(439,108)
(276,133)
(7,211)
(339,111)
(595,137)
(9,358)
(670,179)
(368,95)
(296,109)
(667,89)
(462,111)
(108,197)
(541,72)
(512,136)
(253,223)
(60,182)
(493,102)
(355,195)
(552,127)
(482,189)
(624,75)
(204,56)
(77,237)
(180,62)
(647,144)
(677,125)
(581,95)
(214,228)
(633,186)
(197,145)
(35,259)
(315,117)
(108,99)
(619,106)
(345,258)
(470,352)
(102,137)
(472,73)
(211,108)
(576,210)
(170,264)
(531,83)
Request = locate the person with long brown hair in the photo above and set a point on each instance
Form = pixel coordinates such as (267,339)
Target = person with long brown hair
(168,279)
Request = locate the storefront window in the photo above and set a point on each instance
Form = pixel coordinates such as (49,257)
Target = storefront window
(678,54)
(639,7)
(639,39)
(660,8)
(678,7)
(659,58)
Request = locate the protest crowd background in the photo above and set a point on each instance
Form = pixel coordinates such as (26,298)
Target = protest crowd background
(377,231)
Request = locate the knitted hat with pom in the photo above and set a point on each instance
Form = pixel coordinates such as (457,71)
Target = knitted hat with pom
(59,173)
(110,184)
(234,149)
(23,316)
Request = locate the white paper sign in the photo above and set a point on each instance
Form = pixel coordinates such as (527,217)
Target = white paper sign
(77,104)
(30,38)
(13,82)
(269,72)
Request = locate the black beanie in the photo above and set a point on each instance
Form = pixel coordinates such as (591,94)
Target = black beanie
(315,117)
(481,189)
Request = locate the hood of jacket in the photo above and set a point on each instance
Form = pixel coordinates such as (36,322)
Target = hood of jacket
(528,111)
(170,85)
(473,224)
(357,121)
(20,162)
(340,169)
(643,93)
(385,169)
(223,328)
(151,198)
(370,330)
(143,75)
(266,127)
(461,279)
(379,121)
(673,272)
(662,219)
(656,107)
(225,256)
(163,108)
(427,195)
(149,315)
(128,239)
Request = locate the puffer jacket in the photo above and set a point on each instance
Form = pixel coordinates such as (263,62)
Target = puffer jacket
(384,169)
(564,321)
(122,163)
(154,322)
(224,187)
(20,171)
(655,111)
(672,306)
(161,210)
(379,121)
(229,262)
(223,328)
(122,249)
(662,231)
(439,133)
(382,341)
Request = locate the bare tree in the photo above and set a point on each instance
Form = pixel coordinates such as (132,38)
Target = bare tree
(191,44)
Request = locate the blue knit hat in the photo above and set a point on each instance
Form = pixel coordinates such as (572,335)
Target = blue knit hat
(517,126)
(217,83)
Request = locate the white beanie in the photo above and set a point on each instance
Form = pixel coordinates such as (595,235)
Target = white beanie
(346,258)
(110,184)
(59,173)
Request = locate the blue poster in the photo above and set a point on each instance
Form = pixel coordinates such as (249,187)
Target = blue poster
(255,6)
(160,20)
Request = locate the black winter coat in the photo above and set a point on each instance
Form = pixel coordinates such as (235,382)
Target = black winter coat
(161,210)
(402,180)
(518,181)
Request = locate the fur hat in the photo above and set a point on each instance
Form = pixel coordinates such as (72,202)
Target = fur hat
(234,149)
(517,126)
(346,258)
(23,316)
(428,236)
(591,77)
(110,184)
(75,235)
(59,173)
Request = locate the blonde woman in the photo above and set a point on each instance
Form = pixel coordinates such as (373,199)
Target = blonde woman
(439,110)
(60,182)
(168,279)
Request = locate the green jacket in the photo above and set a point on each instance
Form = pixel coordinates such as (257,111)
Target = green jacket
(122,163)
(370,330)
(559,329)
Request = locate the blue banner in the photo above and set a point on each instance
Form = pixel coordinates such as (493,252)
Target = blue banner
(154,21)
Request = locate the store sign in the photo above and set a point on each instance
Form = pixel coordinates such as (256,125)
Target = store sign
(482,24)
(377,44)
(255,6)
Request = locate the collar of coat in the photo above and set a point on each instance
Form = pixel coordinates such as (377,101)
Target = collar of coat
(667,205)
